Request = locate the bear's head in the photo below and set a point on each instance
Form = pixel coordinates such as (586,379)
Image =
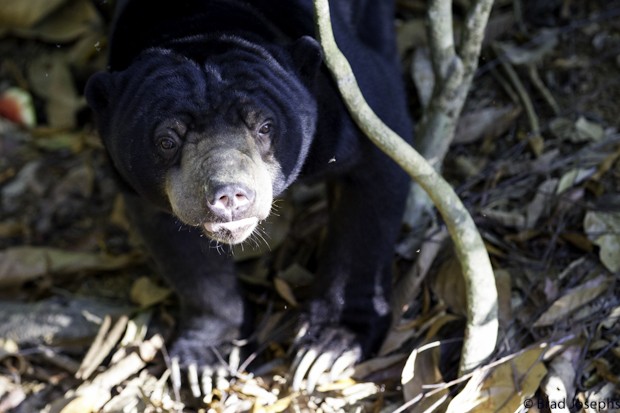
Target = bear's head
(214,138)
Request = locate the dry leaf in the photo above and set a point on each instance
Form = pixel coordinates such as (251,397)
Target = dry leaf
(92,395)
(606,164)
(395,339)
(68,24)
(25,13)
(376,364)
(499,24)
(27,180)
(513,219)
(486,122)
(559,384)
(98,391)
(279,406)
(136,329)
(63,100)
(12,394)
(263,396)
(146,293)
(449,286)
(51,79)
(82,404)
(572,300)
(541,202)
(574,177)
(439,322)
(296,275)
(118,216)
(506,387)
(542,44)
(269,325)
(422,368)
(8,347)
(69,141)
(103,344)
(55,322)
(78,181)
(582,130)
(359,391)
(21,264)
(603,228)
(285,291)
(588,130)
(140,394)
(411,35)
(612,318)
(536,143)
(469,166)
(503,281)
(423,75)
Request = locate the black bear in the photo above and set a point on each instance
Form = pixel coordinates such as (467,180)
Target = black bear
(209,110)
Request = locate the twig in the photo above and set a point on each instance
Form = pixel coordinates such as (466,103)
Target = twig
(517,6)
(101,347)
(505,85)
(441,38)
(98,390)
(410,284)
(544,91)
(535,139)
(481,331)
(58,359)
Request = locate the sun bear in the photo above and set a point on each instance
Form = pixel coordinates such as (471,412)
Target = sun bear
(209,110)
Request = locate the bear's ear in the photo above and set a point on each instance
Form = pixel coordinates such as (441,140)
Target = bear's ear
(97,92)
(307,56)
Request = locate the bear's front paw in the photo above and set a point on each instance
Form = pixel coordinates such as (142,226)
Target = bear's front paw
(201,363)
(323,354)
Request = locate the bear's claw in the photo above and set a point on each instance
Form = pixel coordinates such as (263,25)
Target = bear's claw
(326,358)
(200,379)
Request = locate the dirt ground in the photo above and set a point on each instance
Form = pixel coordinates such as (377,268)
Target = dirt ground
(84,320)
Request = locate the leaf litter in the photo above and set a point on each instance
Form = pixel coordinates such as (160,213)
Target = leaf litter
(537,161)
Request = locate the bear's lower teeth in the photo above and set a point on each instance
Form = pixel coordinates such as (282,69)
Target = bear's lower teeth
(231,225)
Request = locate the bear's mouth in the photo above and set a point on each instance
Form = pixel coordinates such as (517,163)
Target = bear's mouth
(231,232)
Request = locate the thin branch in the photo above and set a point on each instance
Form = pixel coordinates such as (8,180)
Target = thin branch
(535,140)
(441,37)
(481,331)
(473,33)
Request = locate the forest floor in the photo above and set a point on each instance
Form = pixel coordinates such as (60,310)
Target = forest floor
(84,320)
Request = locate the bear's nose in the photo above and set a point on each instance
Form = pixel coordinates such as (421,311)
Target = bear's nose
(230,201)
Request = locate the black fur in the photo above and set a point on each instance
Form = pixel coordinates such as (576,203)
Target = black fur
(182,113)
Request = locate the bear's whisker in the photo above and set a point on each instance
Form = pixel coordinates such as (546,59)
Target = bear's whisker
(261,234)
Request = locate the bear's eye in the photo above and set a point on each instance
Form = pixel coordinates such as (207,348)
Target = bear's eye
(167,143)
(265,129)
(168,137)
